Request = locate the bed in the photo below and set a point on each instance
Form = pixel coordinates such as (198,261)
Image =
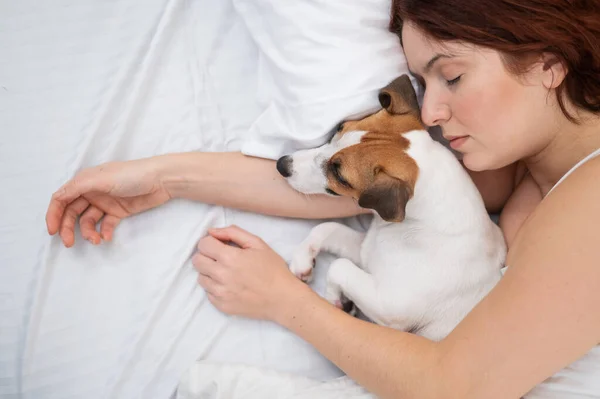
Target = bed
(85,82)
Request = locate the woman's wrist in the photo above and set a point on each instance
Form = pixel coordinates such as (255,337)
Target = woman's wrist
(296,299)
(171,173)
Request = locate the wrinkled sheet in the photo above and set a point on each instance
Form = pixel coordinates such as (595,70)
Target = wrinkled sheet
(222,381)
(84,82)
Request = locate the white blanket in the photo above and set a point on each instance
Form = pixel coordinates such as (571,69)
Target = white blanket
(222,381)
(84,82)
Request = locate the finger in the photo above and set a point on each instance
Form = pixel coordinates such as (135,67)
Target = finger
(108,225)
(238,236)
(209,285)
(67,228)
(87,223)
(215,249)
(54,214)
(82,183)
(208,267)
(217,302)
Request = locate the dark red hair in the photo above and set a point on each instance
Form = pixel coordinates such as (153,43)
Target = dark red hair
(520,30)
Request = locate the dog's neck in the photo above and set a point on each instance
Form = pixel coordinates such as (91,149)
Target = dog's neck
(445,197)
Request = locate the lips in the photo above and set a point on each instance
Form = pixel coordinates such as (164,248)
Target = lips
(456,141)
(450,138)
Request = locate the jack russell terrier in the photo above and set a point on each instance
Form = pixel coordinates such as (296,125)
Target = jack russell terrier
(431,253)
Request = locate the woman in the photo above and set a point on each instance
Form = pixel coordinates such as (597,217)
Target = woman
(515,87)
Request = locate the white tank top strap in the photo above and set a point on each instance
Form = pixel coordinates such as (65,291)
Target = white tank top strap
(577,165)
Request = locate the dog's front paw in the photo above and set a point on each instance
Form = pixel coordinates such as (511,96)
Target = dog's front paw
(303,262)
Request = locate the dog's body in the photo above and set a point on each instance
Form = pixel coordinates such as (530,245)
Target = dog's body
(431,253)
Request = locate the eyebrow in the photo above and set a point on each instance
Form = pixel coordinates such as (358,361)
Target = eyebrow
(431,62)
(434,60)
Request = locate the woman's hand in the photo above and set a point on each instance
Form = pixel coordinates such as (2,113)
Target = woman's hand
(250,280)
(108,192)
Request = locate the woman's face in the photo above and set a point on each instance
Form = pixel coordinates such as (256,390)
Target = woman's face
(491,116)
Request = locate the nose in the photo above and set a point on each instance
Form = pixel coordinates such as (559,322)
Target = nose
(434,112)
(284,166)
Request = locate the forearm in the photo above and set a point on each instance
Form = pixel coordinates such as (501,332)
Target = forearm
(389,363)
(234,180)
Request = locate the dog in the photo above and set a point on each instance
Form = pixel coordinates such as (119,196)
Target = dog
(431,252)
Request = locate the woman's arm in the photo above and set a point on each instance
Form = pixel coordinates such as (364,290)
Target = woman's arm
(108,193)
(252,184)
(541,316)
(387,362)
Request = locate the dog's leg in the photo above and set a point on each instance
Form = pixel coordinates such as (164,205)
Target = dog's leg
(347,282)
(331,237)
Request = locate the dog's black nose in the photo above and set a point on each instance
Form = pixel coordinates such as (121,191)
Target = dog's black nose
(284,166)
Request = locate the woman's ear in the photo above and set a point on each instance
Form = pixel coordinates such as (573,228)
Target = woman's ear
(553,71)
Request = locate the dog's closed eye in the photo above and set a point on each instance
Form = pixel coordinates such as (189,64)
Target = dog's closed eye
(334,167)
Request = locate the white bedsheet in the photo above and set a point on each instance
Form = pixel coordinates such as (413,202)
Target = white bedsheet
(84,82)
(208,380)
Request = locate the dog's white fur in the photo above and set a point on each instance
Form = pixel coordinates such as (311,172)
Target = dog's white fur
(423,274)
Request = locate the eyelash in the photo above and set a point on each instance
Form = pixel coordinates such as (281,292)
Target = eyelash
(453,81)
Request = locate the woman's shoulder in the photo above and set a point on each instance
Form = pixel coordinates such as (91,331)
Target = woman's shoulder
(582,186)
(567,218)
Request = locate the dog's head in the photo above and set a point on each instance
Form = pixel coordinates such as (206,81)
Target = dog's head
(366,159)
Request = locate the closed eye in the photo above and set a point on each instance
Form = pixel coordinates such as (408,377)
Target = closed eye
(453,81)
(334,167)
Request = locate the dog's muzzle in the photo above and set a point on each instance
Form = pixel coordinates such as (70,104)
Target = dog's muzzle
(284,166)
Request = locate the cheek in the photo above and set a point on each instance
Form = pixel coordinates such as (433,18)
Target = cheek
(493,114)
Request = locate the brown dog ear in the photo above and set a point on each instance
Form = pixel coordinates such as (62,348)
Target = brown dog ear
(387,196)
(399,97)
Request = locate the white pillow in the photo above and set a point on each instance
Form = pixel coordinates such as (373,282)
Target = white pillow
(321,61)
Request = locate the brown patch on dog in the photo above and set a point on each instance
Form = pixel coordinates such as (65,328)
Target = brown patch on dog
(397,99)
(383,121)
(378,172)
